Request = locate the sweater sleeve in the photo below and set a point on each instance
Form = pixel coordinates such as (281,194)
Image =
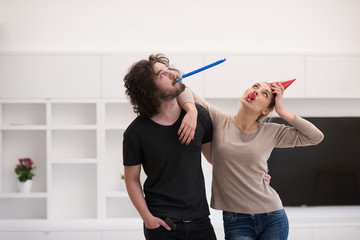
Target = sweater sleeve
(185,97)
(303,133)
(189,96)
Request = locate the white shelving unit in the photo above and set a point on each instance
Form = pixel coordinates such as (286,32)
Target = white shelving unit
(77,149)
(74,135)
(23,134)
(117,116)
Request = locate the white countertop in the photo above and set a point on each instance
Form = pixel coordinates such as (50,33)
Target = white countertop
(299,217)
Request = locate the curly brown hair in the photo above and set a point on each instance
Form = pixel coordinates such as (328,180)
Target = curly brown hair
(140,86)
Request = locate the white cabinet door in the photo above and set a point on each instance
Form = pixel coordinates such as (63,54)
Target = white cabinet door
(125,234)
(189,63)
(336,233)
(333,77)
(114,68)
(49,76)
(300,233)
(22,235)
(83,235)
(231,78)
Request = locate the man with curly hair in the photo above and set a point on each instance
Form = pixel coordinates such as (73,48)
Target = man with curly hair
(172,202)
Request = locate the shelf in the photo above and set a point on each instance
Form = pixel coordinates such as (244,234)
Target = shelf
(77,150)
(113,167)
(116,127)
(74,191)
(119,114)
(23,127)
(23,208)
(120,207)
(73,114)
(74,144)
(74,127)
(23,195)
(119,194)
(74,161)
(22,144)
(18,114)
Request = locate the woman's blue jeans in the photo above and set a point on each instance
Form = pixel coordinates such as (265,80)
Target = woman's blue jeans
(265,226)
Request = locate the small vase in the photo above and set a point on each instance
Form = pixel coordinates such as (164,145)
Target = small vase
(25,187)
(122,186)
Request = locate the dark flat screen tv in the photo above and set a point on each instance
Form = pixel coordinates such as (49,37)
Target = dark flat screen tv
(327,174)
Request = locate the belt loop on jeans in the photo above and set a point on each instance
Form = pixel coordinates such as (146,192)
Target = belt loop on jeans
(234,216)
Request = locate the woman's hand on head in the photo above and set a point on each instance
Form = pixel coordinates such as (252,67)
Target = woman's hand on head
(278,90)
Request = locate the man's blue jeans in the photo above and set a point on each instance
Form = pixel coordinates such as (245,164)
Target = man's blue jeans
(265,226)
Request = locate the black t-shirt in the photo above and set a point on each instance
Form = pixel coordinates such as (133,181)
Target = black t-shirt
(175,183)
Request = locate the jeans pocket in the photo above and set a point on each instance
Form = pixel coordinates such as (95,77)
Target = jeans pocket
(229,217)
(277,213)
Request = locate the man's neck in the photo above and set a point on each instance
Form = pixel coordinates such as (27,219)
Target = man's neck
(169,112)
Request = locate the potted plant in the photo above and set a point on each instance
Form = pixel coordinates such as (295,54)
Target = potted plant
(25,171)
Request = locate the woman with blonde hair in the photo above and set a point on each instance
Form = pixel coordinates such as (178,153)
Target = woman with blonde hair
(240,148)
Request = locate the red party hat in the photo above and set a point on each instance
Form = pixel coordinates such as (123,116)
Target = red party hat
(285,84)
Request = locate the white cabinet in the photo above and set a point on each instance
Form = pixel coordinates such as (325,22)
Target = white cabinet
(79,235)
(117,116)
(102,75)
(86,235)
(74,191)
(335,233)
(125,234)
(189,63)
(333,77)
(77,150)
(23,134)
(29,206)
(22,235)
(300,233)
(237,73)
(114,69)
(49,76)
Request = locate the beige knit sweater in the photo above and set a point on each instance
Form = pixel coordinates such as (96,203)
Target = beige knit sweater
(240,158)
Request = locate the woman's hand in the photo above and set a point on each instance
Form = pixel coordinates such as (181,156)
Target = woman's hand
(188,124)
(278,90)
(267,177)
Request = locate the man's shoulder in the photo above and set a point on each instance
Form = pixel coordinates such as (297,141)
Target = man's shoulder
(203,114)
(136,124)
(201,110)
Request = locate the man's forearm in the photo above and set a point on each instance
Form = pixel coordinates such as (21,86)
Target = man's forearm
(137,198)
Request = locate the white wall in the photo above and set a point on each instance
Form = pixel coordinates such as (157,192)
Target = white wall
(187,27)
(276,26)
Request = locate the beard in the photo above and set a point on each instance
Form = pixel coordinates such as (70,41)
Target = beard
(179,88)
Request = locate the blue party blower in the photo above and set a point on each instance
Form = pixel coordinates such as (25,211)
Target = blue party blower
(201,69)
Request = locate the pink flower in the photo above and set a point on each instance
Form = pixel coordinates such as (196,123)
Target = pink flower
(25,169)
